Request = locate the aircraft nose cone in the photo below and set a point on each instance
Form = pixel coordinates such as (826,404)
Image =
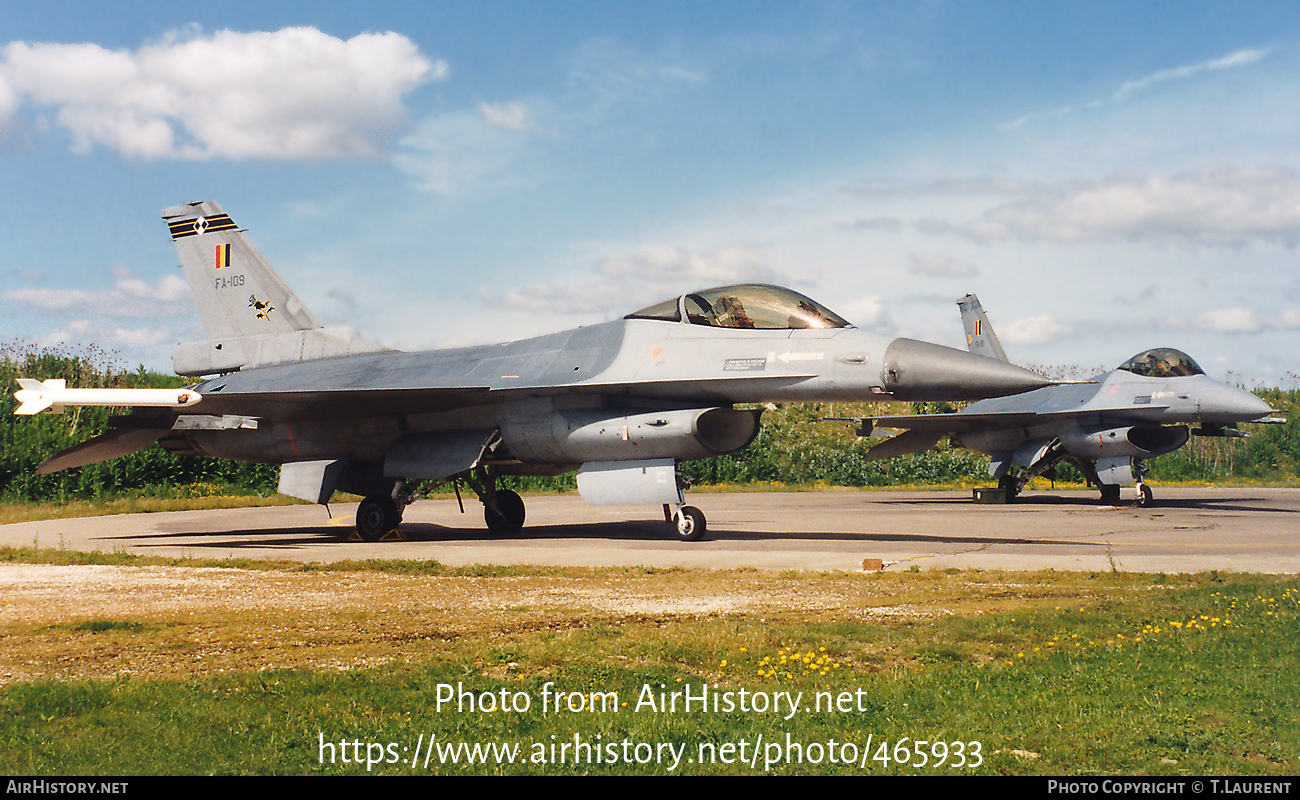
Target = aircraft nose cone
(1217,402)
(916,370)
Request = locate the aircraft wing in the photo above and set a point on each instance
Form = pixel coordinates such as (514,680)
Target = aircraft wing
(957,422)
(349,403)
(963,422)
(923,431)
(366,401)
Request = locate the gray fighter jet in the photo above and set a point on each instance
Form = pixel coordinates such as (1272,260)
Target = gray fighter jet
(621,402)
(1107,426)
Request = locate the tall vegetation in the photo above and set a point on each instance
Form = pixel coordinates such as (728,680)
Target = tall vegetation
(26,442)
(796,446)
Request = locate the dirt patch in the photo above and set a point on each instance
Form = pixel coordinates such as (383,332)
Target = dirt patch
(84,621)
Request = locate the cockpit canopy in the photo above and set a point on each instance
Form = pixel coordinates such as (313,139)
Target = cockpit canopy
(748,305)
(1162,362)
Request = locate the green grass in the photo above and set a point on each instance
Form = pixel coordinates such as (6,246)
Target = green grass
(1050,673)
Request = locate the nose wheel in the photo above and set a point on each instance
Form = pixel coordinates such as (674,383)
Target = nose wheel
(689,524)
(1144,497)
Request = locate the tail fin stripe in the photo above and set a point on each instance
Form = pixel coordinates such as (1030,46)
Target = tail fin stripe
(193,227)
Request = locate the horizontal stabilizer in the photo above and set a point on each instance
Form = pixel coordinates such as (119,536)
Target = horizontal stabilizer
(917,441)
(114,444)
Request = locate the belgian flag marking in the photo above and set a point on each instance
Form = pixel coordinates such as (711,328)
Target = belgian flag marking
(223,256)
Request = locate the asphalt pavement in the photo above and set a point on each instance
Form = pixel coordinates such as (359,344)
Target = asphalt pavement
(1188,530)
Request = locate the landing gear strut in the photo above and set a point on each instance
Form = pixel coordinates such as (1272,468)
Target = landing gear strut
(1144,496)
(686,521)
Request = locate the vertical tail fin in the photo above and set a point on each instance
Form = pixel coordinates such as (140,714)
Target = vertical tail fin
(237,292)
(249,313)
(980,338)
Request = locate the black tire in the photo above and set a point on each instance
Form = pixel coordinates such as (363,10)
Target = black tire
(377,517)
(1009,486)
(689,524)
(1145,498)
(1110,494)
(508,517)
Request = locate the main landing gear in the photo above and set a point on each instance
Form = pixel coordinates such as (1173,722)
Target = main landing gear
(503,509)
(380,515)
(504,515)
(377,516)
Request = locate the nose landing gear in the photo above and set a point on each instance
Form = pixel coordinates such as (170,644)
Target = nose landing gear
(687,521)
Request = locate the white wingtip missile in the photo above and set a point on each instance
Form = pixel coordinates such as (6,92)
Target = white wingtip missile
(53,394)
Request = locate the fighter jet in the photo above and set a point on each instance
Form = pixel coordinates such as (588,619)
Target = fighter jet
(622,402)
(1107,426)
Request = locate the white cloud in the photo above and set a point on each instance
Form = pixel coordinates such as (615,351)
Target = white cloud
(295,93)
(873,225)
(451,153)
(1043,329)
(495,144)
(1246,320)
(1128,89)
(8,100)
(1232,320)
(106,335)
(512,116)
(129,297)
(1238,59)
(608,72)
(624,282)
(935,266)
(1221,206)
(864,312)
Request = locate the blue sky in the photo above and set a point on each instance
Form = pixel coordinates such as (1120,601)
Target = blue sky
(1108,177)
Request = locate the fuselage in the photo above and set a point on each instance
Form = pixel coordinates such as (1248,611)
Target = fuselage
(626,364)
